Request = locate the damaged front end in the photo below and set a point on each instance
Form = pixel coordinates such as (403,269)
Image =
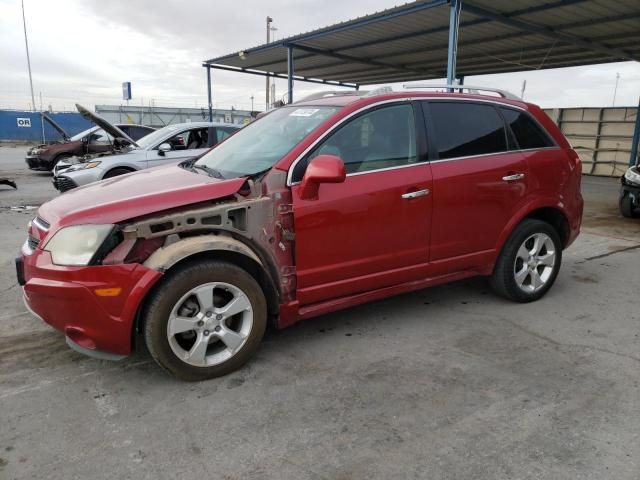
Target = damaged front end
(253,227)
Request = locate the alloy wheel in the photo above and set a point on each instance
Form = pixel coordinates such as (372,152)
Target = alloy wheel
(210,324)
(534,262)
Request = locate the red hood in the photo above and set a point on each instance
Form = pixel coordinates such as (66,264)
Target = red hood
(130,196)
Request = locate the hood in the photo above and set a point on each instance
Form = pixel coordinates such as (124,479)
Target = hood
(60,130)
(130,196)
(111,129)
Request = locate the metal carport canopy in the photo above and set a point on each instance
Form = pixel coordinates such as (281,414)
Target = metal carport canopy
(420,40)
(411,42)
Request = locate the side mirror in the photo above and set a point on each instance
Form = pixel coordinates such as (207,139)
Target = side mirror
(322,169)
(164,148)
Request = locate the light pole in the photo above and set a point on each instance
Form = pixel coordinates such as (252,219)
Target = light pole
(269,20)
(272,95)
(252,103)
(615,90)
(26,44)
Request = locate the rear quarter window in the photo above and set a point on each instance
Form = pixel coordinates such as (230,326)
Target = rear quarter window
(527,132)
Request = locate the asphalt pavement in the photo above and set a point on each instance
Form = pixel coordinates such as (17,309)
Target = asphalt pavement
(450,382)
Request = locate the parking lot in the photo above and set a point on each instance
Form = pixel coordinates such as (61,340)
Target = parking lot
(450,382)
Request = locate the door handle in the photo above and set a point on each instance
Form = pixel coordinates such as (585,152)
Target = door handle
(513,177)
(419,193)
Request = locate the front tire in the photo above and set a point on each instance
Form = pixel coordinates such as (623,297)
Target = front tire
(117,172)
(62,156)
(529,262)
(626,207)
(205,320)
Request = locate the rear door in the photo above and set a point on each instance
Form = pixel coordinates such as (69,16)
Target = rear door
(479,181)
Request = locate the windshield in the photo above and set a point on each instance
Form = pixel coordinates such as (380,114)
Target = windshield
(151,140)
(259,145)
(82,134)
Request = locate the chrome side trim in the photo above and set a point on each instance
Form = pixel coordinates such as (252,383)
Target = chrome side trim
(453,159)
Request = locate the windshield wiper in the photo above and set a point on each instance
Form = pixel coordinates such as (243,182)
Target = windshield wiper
(212,172)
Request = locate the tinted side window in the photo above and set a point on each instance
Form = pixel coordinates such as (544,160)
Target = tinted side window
(100,136)
(467,129)
(139,132)
(126,129)
(221,134)
(382,138)
(527,132)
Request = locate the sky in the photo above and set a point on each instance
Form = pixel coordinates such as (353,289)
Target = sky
(82,51)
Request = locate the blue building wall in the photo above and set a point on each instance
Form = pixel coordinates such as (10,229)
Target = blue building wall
(71,122)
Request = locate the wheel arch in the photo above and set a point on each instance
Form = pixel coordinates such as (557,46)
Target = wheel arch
(556,218)
(192,249)
(119,167)
(554,215)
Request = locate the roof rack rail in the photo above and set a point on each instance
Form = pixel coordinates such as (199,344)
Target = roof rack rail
(378,91)
(470,88)
(332,93)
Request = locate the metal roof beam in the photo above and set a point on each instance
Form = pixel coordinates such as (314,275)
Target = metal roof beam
(349,58)
(504,55)
(548,32)
(461,44)
(297,78)
(348,25)
(479,21)
(404,36)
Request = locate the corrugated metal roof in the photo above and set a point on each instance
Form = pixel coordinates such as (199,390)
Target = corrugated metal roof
(410,42)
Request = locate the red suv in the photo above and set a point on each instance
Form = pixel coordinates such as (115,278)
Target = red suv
(315,207)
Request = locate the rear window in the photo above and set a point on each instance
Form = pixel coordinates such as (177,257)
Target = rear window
(467,129)
(528,133)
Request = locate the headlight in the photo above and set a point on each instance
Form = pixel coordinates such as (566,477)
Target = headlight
(82,166)
(77,245)
(632,175)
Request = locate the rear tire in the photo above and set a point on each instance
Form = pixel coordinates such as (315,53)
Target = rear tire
(117,172)
(529,262)
(205,320)
(626,207)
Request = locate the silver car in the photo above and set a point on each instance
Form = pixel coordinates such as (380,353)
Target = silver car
(170,144)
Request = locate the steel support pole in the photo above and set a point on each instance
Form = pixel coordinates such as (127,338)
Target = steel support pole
(633,159)
(209,99)
(454,24)
(289,74)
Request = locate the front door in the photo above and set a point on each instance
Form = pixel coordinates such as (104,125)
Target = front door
(372,230)
(187,144)
(479,181)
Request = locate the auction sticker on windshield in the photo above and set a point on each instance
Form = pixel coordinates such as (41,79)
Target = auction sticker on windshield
(303,112)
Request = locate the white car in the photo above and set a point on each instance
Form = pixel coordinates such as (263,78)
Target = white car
(171,144)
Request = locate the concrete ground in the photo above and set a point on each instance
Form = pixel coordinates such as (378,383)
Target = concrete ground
(446,383)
